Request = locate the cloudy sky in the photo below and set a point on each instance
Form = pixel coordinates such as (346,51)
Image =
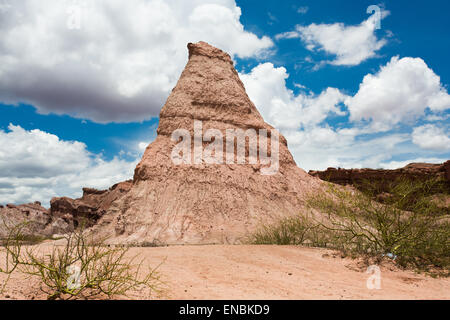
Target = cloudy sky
(82,82)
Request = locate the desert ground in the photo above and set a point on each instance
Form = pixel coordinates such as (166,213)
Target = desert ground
(261,272)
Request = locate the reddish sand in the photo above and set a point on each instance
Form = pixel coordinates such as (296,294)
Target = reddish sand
(264,272)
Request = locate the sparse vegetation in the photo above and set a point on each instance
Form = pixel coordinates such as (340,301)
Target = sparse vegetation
(410,194)
(79,268)
(408,226)
(297,230)
(13,247)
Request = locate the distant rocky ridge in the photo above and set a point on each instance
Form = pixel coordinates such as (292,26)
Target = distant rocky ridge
(90,207)
(64,213)
(39,220)
(416,171)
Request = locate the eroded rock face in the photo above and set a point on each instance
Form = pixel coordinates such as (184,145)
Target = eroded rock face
(420,171)
(88,209)
(64,214)
(39,221)
(447,170)
(200,202)
(196,202)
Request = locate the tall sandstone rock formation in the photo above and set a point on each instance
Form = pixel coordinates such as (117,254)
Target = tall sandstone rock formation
(205,203)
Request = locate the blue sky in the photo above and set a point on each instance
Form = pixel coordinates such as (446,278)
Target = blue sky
(82,82)
(421,29)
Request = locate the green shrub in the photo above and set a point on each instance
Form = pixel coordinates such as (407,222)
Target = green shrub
(290,231)
(81,268)
(356,224)
(409,194)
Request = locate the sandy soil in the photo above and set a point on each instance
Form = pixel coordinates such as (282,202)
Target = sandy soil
(263,272)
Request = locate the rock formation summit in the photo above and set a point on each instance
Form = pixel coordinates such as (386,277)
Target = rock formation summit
(196,201)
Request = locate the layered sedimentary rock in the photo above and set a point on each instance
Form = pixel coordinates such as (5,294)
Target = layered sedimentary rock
(36,220)
(185,198)
(65,214)
(88,209)
(416,171)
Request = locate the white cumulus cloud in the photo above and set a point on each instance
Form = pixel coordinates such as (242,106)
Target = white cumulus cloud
(431,137)
(399,92)
(350,45)
(302,118)
(266,86)
(110,60)
(36,165)
(316,125)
